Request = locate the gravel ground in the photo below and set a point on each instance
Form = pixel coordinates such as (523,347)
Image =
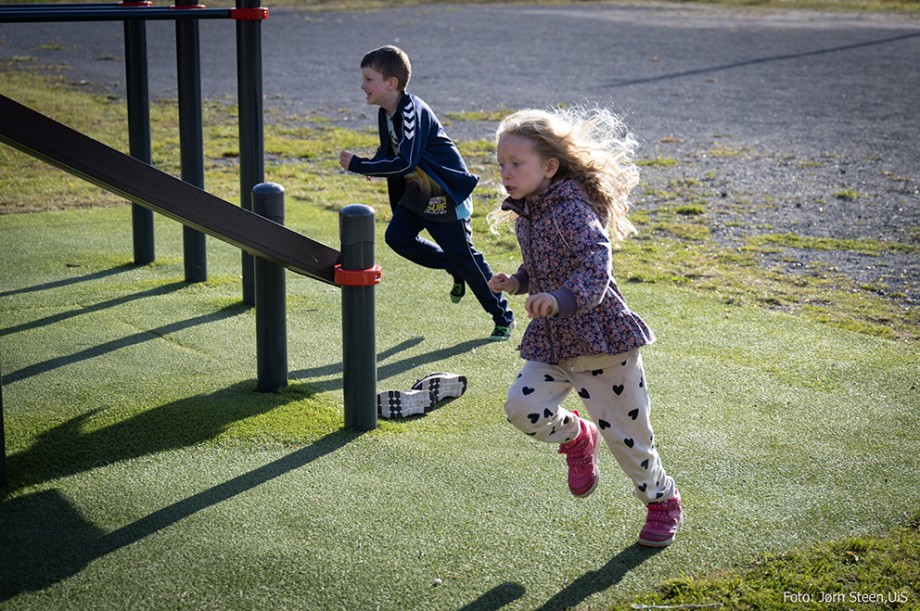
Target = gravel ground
(767,191)
(775,113)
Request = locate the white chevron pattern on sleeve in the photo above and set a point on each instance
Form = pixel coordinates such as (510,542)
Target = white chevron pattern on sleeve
(409,121)
(403,161)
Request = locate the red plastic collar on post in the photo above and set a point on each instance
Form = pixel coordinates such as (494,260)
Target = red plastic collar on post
(357,277)
(249,14)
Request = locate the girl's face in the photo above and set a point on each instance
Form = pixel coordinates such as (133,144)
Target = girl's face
(524,172)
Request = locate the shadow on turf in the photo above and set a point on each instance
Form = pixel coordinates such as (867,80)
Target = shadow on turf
(96,307)
(56,284)
(70,448)
(75,446)
(602,579)
(45,540)
(388,370)
(575,593)
(122,342)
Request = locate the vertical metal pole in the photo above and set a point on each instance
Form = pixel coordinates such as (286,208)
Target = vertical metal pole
(359,327)
(270,299)
(252,145)
(139,131)
(191,141)
(2,438)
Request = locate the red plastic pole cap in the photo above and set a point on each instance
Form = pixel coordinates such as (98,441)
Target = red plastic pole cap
(258,13)
(358,277)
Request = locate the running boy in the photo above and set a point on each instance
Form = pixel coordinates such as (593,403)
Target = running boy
(428,183)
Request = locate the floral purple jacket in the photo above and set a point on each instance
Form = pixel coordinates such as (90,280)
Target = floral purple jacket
(566,252)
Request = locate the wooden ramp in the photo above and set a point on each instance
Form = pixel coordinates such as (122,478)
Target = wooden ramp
(65,148)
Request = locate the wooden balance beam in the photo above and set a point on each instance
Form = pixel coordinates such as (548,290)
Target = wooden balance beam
(55,143)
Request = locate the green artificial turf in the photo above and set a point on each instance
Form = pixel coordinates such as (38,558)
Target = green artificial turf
(146,472)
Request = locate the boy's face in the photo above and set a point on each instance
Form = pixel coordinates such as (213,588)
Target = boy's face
(524,172)
(378,89)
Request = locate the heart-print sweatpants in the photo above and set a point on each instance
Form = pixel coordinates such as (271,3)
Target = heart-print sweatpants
(614,392)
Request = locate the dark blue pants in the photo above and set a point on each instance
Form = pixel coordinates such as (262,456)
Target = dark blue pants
(454,253)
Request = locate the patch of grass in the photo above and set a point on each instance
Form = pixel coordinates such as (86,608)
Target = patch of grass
(737,277)
(847,194)
(53,47)
(495,116)
(690,210)
(684,183)
(684,231)
(894,177)
(722,151)
(659,195)
(863,246)
(671,139)
(657,161)
(875,571)
(479,154)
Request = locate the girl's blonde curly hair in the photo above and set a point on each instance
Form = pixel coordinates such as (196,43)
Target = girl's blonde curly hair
(594,147)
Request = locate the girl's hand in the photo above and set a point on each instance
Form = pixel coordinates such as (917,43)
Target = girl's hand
(503,282)
(541,304)
(345,159)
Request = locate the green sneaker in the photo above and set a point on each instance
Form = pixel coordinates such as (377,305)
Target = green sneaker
(501,333)
(459,290)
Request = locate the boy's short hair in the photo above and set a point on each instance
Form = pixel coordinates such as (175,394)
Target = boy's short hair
(391,62)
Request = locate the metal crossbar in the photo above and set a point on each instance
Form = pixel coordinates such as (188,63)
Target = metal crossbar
(31,13)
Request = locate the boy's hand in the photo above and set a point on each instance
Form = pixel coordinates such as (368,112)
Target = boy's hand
(503,282)
(541,304)
(345,158)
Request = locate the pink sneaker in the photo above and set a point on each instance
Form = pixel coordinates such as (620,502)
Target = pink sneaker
(661,523)
(581,456)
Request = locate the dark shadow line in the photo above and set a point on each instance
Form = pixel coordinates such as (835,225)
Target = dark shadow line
(45,540)
(180,510)
(69,448)
(496,598)
(332,368)
(391,369)
(124,342)
(404,345)
(762,60)
(105,273)
(602,579)
(96,307)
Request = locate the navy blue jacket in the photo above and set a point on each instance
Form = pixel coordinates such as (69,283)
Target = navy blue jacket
(423,143)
